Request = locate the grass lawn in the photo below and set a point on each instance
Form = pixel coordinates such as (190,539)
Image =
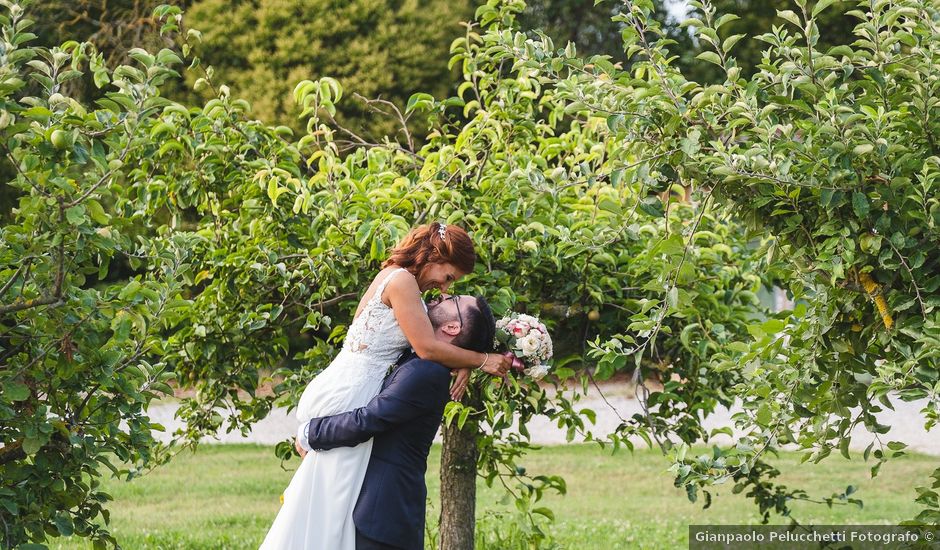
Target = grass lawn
(225,497)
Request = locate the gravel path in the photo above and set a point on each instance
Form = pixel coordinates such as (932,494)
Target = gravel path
(905,421)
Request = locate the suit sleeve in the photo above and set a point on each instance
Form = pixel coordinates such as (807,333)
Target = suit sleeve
(410,394)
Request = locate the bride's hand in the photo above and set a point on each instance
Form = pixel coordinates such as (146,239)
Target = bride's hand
(459,387)
(300,450)
(497,365)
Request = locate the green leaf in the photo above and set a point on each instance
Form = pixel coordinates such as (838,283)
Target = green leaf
(610,205)
(791,16)
(31,445)
(97,212)
(64,524)
(773,326)
(274,190)
(15,391)
(731,41)
(739,347)
(76,214)
(711,57)
(462,418)
(419,101)
(860,204)
(764,415)
(614,122)
(121,325)
(544,512)
(726,18)
(101,78)
(653,206)
(377,251)
(363,233)
(863,149)
(820,6)
(844,447)
(840,51)
(672,297)
(10,506)
(37,112)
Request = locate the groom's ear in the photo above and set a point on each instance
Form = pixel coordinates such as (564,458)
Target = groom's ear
(451,328)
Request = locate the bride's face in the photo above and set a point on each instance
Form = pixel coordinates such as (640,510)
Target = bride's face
(439,276)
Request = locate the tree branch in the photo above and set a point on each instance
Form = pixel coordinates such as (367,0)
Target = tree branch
(12,452)
(54,301)
(12,280)
(401,118)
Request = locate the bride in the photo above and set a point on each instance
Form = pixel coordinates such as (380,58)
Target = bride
(391,317)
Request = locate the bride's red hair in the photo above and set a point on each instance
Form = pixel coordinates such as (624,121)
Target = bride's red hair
(423,245)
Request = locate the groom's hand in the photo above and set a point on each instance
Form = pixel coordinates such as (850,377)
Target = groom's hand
(300,450)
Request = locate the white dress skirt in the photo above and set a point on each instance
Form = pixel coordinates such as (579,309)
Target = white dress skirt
(319,501)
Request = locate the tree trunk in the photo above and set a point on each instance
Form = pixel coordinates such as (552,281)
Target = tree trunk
(458,486)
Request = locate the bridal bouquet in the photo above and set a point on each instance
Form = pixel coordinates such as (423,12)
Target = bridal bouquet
(528,341)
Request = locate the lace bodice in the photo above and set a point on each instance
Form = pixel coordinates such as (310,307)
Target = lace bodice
(375,333)
(373,343)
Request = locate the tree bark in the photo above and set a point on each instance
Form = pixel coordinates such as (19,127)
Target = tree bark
(459,486)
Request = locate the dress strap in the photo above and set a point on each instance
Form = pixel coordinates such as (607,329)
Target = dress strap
(377,297)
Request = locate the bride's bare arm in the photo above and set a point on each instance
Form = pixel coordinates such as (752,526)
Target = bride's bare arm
(405,298)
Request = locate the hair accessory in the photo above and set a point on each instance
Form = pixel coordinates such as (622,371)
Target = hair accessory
(442,231)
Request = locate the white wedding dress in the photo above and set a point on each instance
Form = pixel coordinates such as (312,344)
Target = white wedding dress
(318,503)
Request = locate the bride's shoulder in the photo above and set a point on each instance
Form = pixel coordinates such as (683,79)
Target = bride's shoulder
(394,272)
(400,283)
(394,277)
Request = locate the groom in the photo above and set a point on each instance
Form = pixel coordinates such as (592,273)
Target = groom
(402,419)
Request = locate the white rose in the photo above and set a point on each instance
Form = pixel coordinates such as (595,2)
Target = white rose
(528,344)
(537,372)
(529,320)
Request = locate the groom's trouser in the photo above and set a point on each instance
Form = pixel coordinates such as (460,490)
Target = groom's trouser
(364,543)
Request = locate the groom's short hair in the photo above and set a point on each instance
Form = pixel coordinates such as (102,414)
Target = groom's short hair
(478,331)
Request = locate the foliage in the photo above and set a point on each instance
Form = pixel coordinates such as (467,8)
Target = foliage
(754,18)
(81,357)
(595,30)
(379,48)
(270,252)
(574,176)
(547,203)
(262,49)
(590,27)
(833,152)
(113,26)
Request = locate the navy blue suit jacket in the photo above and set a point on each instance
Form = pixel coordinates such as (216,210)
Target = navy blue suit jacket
(402,419)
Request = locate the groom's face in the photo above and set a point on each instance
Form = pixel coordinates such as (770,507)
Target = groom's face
(446,313)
